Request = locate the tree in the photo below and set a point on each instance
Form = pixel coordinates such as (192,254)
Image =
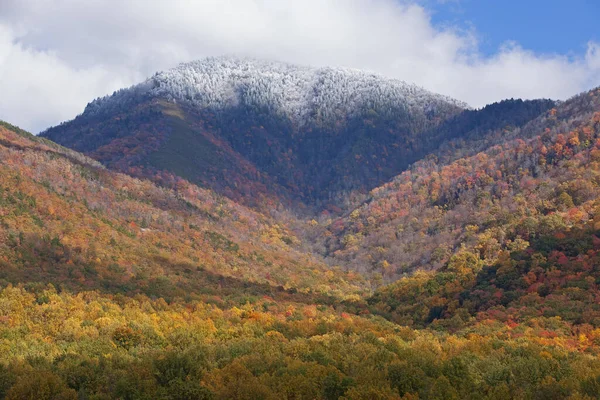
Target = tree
(41,385)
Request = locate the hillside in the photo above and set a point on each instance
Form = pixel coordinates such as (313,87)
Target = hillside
(113,287)
(543,177)
(519,225)
(530,180)
(67,220)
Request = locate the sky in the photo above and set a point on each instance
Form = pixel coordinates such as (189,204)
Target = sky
(548,26)
(57,55)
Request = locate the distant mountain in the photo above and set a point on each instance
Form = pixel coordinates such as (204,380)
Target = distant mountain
(255,130)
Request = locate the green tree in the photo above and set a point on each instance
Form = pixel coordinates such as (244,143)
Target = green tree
(41,385)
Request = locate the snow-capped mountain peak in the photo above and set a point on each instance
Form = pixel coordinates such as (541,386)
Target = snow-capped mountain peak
(300,93)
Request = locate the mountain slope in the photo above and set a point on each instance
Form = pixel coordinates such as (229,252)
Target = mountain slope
(67,220)
(530,181)
(277,130)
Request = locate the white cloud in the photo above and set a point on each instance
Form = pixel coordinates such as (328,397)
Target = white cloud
(56,55)
(37,88)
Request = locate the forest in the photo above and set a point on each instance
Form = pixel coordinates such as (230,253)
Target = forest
(472,273)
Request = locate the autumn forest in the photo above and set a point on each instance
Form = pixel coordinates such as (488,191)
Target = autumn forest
(394,244)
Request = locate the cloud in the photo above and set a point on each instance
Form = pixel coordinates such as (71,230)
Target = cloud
(57,55)
(37,88)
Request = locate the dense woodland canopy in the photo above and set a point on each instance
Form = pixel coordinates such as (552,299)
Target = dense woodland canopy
(539,179)
(469,270)
(111,231)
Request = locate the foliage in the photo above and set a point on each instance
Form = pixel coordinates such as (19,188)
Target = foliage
(71,222)
(484,255)
(493,201)
(67,347)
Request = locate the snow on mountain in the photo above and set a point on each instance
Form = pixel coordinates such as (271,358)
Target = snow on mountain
(303,94)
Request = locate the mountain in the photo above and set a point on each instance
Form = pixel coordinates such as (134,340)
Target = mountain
(529,180)
(240,229)
(259,131)
(509,233)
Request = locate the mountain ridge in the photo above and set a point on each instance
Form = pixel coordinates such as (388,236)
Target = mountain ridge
(275,133)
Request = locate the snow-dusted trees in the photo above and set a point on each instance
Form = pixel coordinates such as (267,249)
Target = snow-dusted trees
(299,93)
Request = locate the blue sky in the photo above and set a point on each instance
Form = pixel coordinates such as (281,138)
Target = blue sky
(543,26)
